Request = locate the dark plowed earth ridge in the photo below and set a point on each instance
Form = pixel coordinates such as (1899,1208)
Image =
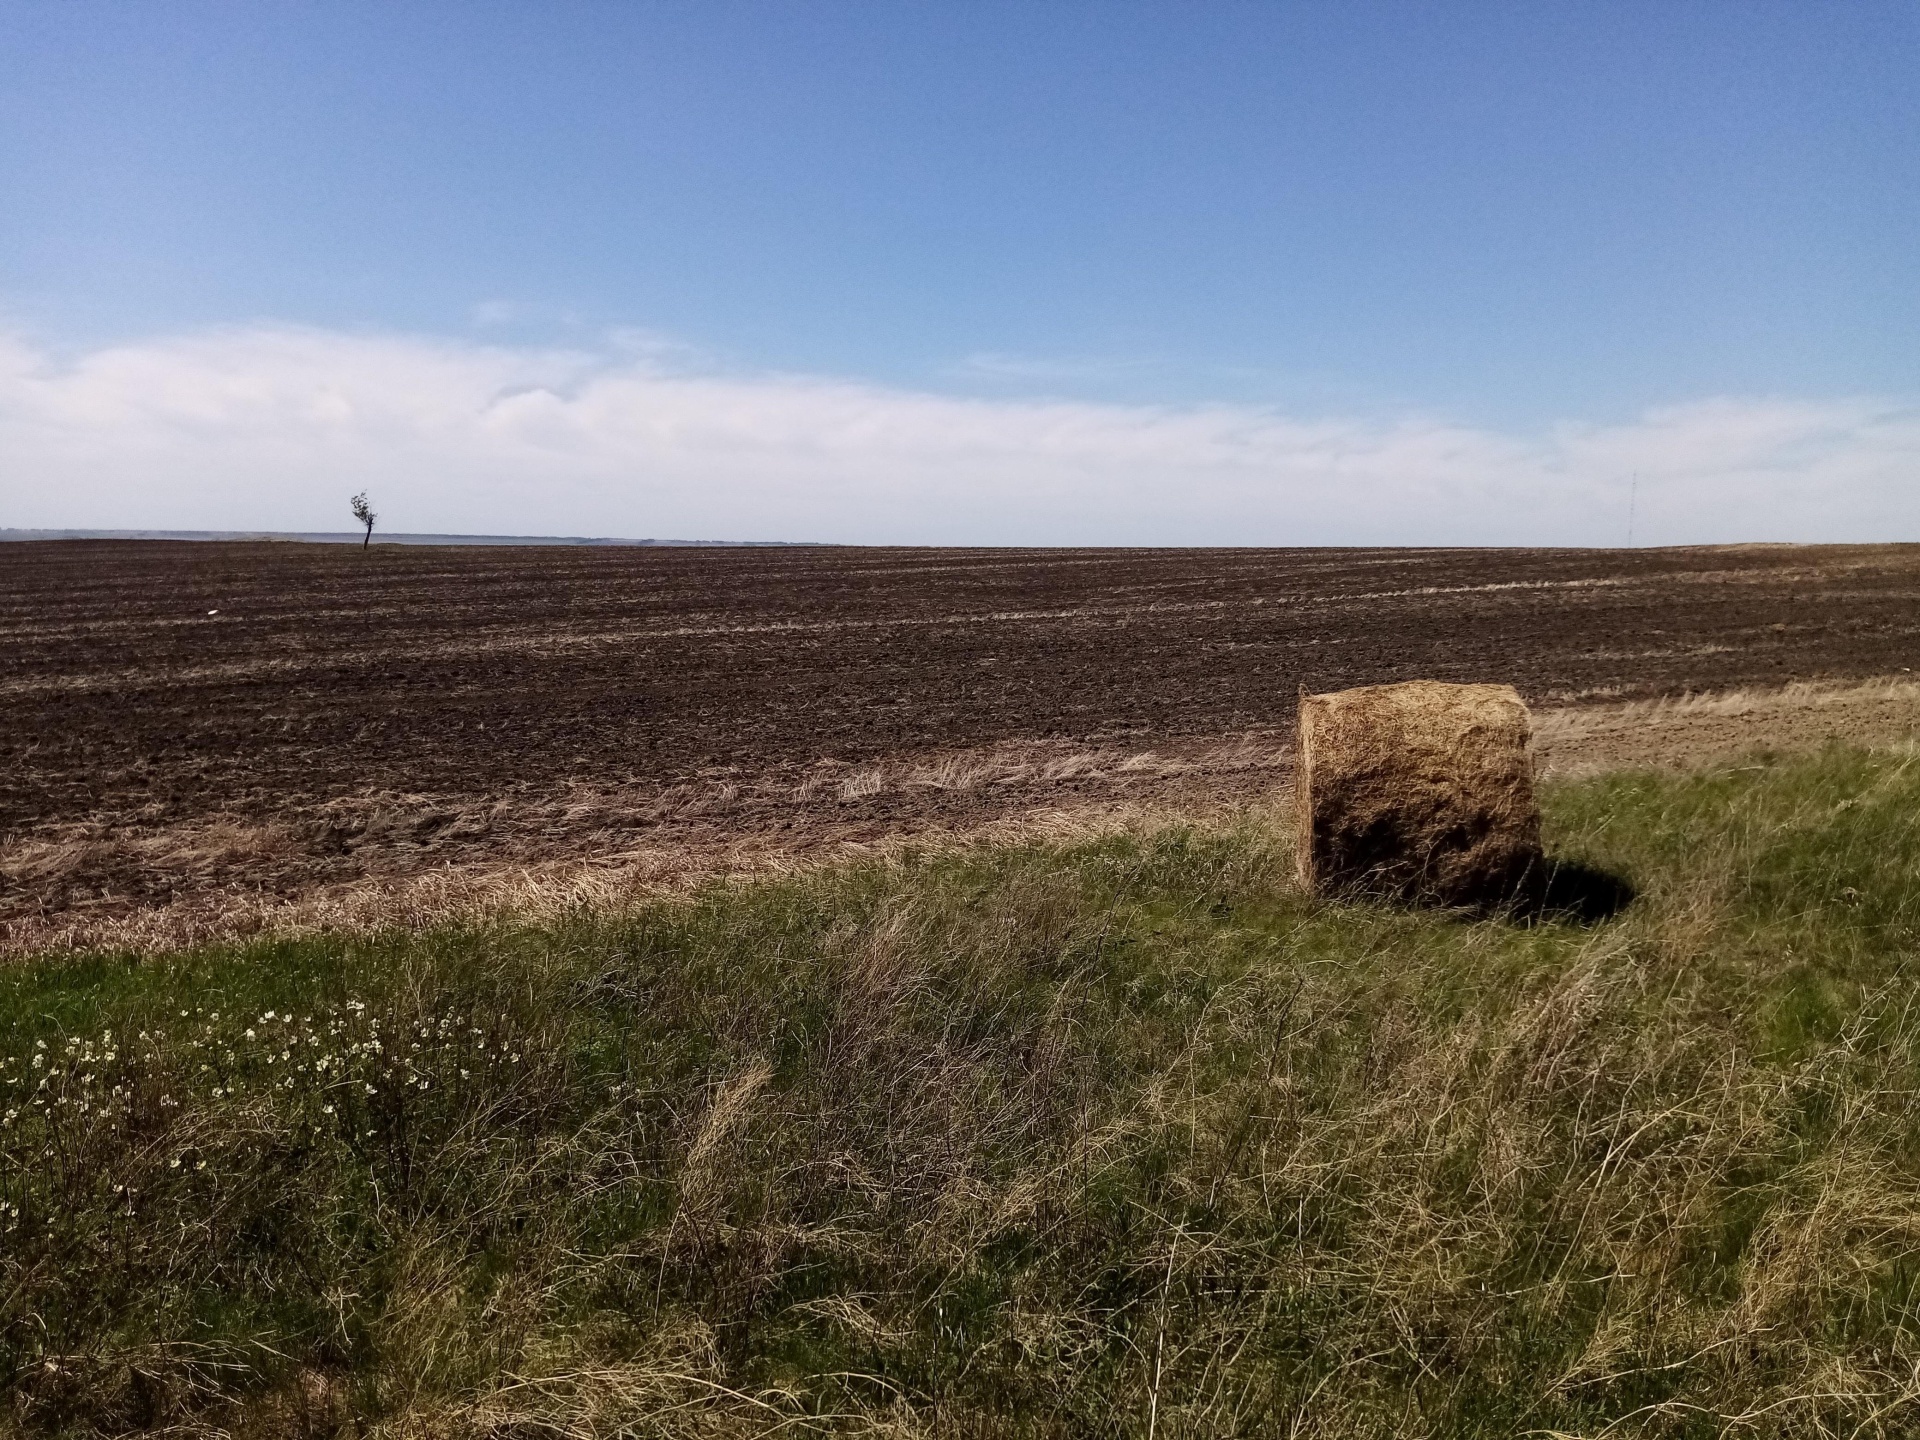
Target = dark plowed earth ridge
(478,689)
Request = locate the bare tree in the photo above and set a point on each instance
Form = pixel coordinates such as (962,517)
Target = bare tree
(363,512)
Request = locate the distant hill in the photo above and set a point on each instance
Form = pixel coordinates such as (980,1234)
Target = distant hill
(353,537)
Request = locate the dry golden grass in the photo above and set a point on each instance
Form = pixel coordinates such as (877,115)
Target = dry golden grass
(1690,730)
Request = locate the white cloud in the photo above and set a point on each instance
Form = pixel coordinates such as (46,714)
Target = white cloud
(273,427)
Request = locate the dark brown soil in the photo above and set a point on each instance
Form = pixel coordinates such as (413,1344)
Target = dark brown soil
(347,713)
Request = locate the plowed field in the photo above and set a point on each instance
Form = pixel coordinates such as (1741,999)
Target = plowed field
(192,728)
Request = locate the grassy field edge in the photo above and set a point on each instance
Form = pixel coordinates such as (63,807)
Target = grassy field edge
(1123,1137)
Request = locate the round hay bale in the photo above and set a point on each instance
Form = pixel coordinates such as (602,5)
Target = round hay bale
(1421,792)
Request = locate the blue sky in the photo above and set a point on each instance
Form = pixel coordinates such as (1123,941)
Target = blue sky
(1506,222)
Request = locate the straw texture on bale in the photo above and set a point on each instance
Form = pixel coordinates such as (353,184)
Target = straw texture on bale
(1421,791)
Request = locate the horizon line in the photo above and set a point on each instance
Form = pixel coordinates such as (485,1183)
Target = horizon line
(354,537)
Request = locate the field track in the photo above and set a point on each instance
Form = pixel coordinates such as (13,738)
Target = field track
(193,734)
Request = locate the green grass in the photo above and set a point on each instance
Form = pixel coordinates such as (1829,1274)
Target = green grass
(1122,1139)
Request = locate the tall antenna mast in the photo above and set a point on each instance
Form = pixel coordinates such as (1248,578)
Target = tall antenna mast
(1633,503)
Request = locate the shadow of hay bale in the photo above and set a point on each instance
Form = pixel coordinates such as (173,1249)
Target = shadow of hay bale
(1567,892)
(1561,892)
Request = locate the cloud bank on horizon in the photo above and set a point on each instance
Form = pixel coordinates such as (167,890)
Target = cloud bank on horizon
(273,427)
